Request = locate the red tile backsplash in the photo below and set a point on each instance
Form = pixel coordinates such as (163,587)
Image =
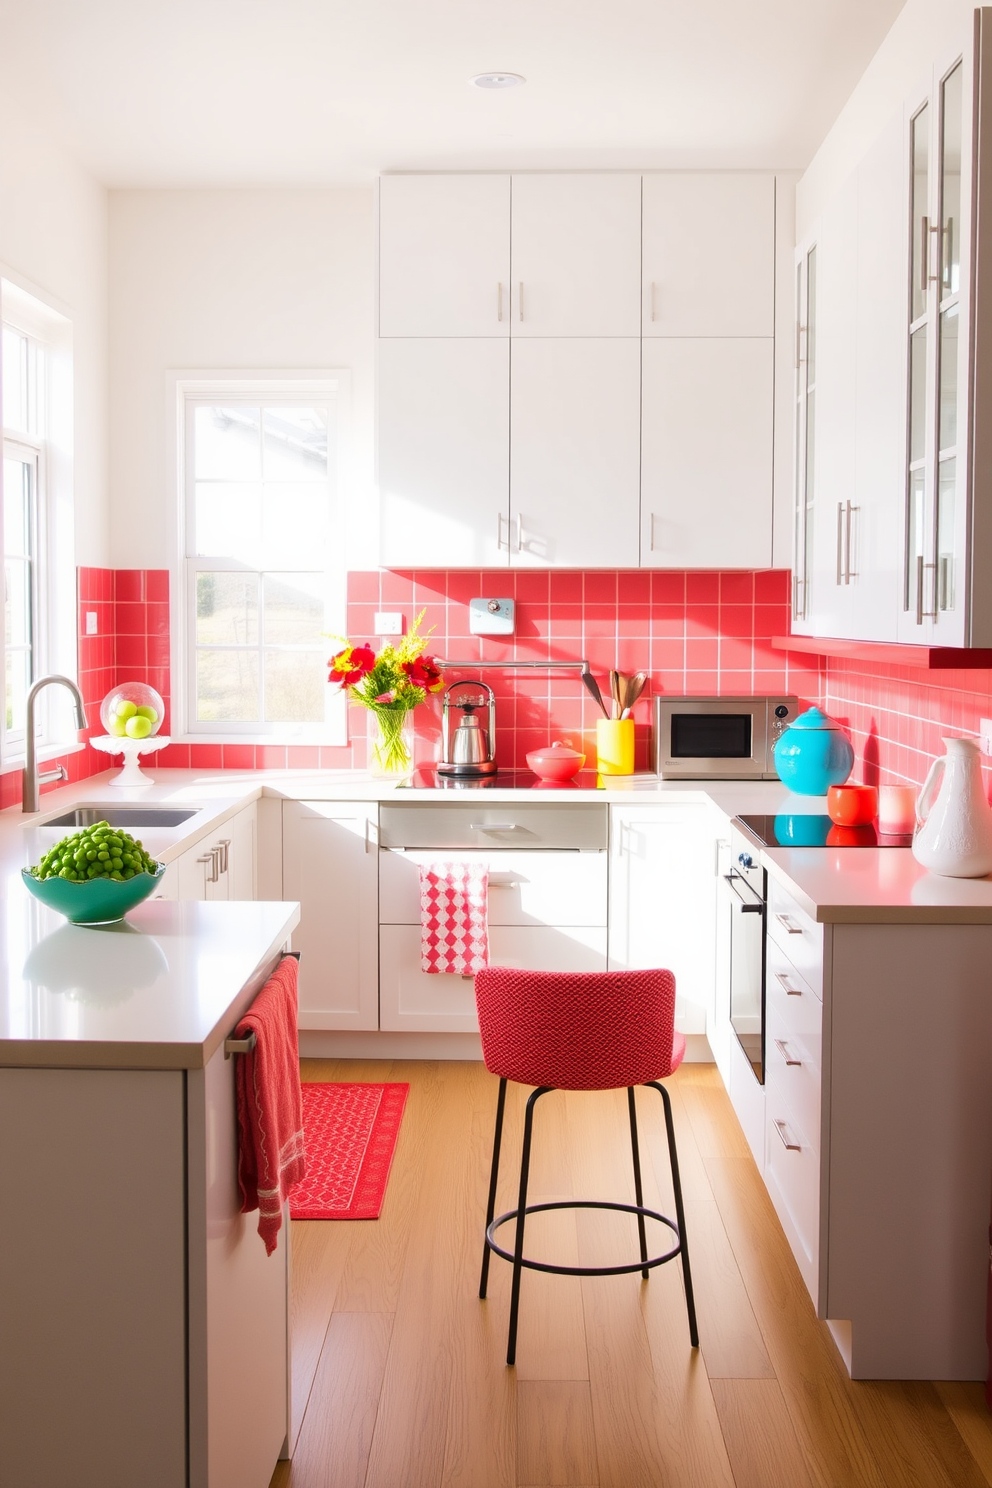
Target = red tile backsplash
(693,632)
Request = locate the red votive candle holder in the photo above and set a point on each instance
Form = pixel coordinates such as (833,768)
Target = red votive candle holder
(852,805)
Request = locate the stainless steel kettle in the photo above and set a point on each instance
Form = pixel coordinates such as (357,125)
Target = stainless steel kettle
(469,747)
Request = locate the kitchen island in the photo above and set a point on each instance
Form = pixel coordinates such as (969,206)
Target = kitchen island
(144,1328)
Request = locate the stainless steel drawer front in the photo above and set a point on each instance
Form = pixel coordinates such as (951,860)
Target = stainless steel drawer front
(495,826)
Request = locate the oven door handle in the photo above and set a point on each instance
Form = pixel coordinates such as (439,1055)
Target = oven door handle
(744,907)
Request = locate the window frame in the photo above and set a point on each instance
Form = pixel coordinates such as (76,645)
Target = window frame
(30,312)
(256,389)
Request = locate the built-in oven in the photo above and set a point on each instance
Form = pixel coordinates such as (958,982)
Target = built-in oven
(743,900)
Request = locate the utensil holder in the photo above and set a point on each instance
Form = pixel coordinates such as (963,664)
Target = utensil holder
(615,746)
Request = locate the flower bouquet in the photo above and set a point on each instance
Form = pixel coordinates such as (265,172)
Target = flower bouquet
(389,684)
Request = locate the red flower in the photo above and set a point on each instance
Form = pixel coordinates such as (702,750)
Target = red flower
(351,665)
(423,672)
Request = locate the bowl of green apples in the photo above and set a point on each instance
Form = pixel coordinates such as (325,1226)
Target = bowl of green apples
(132,710)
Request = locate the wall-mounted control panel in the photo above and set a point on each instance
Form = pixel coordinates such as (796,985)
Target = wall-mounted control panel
(492,617)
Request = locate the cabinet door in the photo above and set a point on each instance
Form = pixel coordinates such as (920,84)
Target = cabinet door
(329,865)
(706,462)
(836,409)
(662,904)
(576,260)
(709,254)
(574,454)
(444,255)
(430,1003)
(444,450)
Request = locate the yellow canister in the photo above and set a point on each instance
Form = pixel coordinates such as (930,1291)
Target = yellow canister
(615,746)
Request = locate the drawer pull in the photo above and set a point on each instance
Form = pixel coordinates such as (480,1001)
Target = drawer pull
(786,1053)
(782,977)
(789,925)
(492,826)
(504,883)
(788,1140)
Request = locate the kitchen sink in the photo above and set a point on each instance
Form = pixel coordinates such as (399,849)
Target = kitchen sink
(122,816)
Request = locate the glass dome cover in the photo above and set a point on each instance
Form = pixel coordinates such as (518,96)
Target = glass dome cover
(132,710)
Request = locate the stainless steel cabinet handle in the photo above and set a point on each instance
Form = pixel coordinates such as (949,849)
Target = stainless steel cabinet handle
(840,542)
(788,1140)
(651,542)
(919,590)
(492,826)
(783,980)
(786,1054)
(521,300)
(504,883)
(520,533)
(849,511)
(225,843)
(499,301)
(789,925)
(211,858)
(500,519)
(924,251)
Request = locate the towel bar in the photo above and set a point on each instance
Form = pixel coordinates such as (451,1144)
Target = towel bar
(239,1046)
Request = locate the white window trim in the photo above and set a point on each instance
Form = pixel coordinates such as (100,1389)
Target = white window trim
(30,309)
(333,383)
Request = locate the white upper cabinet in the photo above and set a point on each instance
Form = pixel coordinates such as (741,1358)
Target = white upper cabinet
(576,257)
(709,254)
(444,452)
(706,463)
(574,453)
(444,255)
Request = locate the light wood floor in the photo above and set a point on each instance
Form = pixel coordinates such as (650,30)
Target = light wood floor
(398,1370)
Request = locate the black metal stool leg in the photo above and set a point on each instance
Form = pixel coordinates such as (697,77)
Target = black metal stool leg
(518,1246)
(690,1305)
(638,1191)
(494,1174)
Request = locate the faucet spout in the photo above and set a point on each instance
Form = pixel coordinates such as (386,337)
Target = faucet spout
(31,781)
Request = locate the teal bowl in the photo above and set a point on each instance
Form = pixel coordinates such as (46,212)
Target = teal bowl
(99,901)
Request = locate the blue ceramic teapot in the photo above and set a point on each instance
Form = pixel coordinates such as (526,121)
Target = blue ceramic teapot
(812,754)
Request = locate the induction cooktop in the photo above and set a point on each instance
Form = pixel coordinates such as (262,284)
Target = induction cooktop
(797,829)
(427,778)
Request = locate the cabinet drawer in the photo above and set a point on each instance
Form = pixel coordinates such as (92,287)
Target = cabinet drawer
(789,996)
(792,1175)
(528,888)
(797,934)
(494,827)
(792,1072)
(412,999)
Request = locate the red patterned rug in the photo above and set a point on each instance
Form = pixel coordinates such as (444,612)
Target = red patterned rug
(349,1134)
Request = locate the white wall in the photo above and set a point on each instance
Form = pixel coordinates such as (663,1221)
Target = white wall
(922,33)
(53,242)
(234,280)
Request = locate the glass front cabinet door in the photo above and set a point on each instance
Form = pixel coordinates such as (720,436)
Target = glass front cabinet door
(948,527)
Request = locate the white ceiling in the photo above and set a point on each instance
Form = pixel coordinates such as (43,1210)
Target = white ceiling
(314,92)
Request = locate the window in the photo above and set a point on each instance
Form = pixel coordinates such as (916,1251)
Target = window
(263,588)
(23,364)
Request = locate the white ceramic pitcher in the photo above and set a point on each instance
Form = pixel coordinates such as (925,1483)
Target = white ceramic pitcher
(954,831)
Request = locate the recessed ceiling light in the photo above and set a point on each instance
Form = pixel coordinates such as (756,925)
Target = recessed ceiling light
(498,80)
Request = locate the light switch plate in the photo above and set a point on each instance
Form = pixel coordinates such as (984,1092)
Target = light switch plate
(985,734)
(91,622)
(387,622)
(491,617)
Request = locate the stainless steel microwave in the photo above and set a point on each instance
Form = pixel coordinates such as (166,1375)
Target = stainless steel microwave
(719,738)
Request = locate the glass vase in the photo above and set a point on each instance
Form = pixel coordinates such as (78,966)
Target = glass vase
(391,743)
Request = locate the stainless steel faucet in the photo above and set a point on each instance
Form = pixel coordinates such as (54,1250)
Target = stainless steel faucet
(31,780)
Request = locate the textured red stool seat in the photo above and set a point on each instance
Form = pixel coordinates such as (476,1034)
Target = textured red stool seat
(602,1030)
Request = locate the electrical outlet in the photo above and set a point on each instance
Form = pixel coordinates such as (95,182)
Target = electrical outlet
(91,620)
(387,623)
(985,734)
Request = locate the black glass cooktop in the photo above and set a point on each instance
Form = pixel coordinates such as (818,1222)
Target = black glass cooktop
(429,779)
(795,829)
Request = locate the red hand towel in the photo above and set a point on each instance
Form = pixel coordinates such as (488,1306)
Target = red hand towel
(454,917)
(270,1104)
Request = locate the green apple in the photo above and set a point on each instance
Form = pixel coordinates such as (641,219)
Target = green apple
(137,727)
(149,713)
(117,727)
(125,709)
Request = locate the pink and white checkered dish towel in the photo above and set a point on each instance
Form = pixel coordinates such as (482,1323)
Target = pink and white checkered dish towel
(454,917)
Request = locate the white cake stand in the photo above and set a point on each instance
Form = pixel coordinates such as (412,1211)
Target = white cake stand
(131,749)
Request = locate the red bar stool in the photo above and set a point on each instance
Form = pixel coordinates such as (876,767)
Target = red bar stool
(560,1030)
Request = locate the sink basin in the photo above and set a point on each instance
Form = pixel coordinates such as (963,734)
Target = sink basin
(123,816)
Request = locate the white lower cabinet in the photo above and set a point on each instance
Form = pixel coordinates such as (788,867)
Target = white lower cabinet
(547,912)
(329,857)
(662,900)
(220,866)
